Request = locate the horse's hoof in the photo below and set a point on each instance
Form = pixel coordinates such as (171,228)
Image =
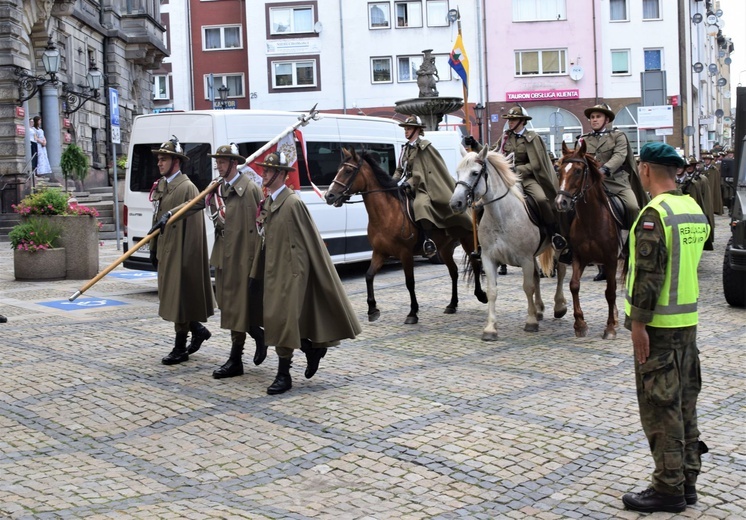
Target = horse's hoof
(373,316)
(611,334)
(539,316)
(481,296)
(581,333)
(411,320)
(560,313)
(489,336)
(531,327)
(450,310)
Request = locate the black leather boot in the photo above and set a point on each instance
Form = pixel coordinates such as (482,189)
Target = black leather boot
(283,382)
(260,354)
(200,334)
(650,501)
(503,270)
(313,357)
(179,353)
(601,276)
(3,319)
(234,366)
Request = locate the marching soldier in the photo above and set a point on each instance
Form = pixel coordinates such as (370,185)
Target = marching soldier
(304,305)
(666,244)
(712,172)
(693,184)
(233,207)
(179,254)
(614,155)
(427,179)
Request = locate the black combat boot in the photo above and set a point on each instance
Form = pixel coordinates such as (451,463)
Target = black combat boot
(601,276)
(234,366)
(260,354)
(283,382)
(200,334)
(650,501)
(503,270)
(179,353)
(313,357)
(3,319)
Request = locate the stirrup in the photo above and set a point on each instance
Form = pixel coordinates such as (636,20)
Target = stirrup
(558,242)
(428,248)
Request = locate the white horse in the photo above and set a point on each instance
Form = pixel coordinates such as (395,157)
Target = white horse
(506,234)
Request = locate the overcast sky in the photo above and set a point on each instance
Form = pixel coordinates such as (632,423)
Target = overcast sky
(734,16)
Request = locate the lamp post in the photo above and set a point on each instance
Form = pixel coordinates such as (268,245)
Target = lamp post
(223,93)
(28,84)
(479,113)
(74,100)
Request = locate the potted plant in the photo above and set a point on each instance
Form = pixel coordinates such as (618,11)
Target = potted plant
(79,228)
(74,162)
(36,251)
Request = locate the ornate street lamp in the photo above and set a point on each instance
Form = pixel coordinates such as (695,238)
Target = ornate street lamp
(223,93)
(74,100)
(479,113)
(28,84)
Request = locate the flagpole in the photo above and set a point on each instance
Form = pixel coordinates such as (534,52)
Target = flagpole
(463,85)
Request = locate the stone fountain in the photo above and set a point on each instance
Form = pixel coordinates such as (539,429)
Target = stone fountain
(429,105)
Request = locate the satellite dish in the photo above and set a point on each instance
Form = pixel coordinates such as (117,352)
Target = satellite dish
(728,61)
(697,18)
(721,54)
(689,130)
(712,19)
(721,23)
(576,72)
(726,94)
(698,67)
(318,27)
(719,13)
(722,82)
(719,112)
(713,68)
(452,15)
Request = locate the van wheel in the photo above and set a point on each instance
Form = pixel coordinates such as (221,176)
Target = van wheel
(734,282)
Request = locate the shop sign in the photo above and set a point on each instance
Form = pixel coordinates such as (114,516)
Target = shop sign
(542,95)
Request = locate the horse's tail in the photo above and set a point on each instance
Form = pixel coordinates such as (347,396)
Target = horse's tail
(546,261)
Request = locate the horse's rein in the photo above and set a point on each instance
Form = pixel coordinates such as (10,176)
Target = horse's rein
(584,186)
(355,170)
(470,188)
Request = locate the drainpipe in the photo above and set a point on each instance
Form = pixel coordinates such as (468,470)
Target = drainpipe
(485,89)
(342,55)
(595,53)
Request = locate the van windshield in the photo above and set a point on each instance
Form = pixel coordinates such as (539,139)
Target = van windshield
(144,165)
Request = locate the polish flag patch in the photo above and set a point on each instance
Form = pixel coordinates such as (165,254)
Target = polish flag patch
(648,225)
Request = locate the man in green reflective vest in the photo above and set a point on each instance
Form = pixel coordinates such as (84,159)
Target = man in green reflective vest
(666,243)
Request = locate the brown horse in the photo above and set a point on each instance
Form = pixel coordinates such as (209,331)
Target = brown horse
(594,235)
(391,231)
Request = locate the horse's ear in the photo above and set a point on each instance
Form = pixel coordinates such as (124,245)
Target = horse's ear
(565,149)
(353,154)
(345,153)
(582,149)
(483,152)
(462,150)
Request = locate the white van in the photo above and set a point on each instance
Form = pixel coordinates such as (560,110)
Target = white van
(344,229)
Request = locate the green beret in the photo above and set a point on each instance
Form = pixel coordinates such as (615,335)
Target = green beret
(661,153)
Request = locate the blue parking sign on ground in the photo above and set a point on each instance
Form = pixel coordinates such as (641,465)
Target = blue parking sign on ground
(82,304)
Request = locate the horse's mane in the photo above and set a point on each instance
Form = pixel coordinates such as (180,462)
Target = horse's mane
(382,176)
(500,163)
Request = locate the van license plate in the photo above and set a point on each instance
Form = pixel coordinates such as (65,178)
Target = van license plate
(145,248)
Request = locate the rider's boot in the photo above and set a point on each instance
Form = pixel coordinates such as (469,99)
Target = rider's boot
(601,276)
(503,269)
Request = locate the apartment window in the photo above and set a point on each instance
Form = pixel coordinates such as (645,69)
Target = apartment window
(408,14)
(379,15)
(651,9)
(407,68)
(234,82)
(221,38)
(437,13)
(160,87)
(618,10)
(290,20)
(653,59)
(620,61)
(541,62)
(299,73)
(380,70)
(537,10)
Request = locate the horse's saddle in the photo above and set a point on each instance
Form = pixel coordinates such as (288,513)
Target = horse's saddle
(618,210)
(533,210)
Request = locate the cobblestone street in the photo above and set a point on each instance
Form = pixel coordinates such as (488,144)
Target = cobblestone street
(405,422)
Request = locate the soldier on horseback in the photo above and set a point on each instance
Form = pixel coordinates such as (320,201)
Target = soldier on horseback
(613,152)
(426,178)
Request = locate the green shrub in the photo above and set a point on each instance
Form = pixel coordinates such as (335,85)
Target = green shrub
(50,201)
(35,234)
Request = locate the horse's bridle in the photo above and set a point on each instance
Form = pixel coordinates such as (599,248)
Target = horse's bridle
(584,185)
(347,187)
(471,187)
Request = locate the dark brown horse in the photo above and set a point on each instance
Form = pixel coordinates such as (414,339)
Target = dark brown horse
(392,233)
(594,236)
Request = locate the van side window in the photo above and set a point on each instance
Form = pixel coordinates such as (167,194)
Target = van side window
(144,166)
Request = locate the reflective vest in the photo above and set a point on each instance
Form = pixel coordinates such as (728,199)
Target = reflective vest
(685,229)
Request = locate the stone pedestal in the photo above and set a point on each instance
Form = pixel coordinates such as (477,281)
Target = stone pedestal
(46,265)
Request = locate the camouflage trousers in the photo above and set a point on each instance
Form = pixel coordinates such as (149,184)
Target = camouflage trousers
(668,384)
